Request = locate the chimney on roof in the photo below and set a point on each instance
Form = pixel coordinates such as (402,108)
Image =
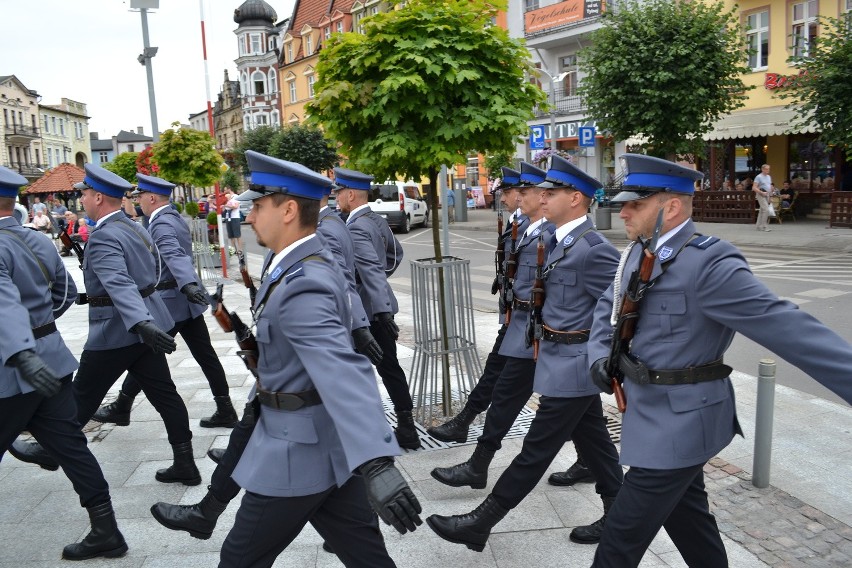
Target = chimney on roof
(139,130)
(93,135)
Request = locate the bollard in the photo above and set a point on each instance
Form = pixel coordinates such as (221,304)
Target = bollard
(763,423)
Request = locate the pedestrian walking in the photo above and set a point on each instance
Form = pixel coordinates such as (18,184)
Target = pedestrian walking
(762,188)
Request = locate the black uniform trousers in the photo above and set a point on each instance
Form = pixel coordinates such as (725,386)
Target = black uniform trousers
(53,422)
(654,498)
(393,377)
(557,421)
(100,369)
(197,337)
(511,392)
(222,485)
(480,396)
(265,526)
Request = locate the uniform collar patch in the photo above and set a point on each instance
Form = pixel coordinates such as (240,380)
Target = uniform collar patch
(275,274)
(568,240)
(536,232)
(666,253)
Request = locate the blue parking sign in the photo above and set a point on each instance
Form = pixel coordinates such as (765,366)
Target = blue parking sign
(587,136)
(538,136)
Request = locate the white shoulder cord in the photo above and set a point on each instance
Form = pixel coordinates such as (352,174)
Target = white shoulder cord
(65,297)
(617,298)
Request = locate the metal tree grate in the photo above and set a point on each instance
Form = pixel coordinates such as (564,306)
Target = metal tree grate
(208,263)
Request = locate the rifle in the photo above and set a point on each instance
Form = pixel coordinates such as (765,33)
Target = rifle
(70,244)
(499,255)
(534,328)
(511,270)
(231,322)
(625,327)
(247,281)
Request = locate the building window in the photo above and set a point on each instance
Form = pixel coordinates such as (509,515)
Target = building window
(309,45)
(273,43)
(339,26)
(260,120)
(273,119)
(311,80)
(472,172)
(804,26)
(374,10)
(58,159)
(289,56)
(327,32)
(258,80)
(244,84)
(131,148)
(530,5)
(103,157)
(291,85)
(52,122)
(61,127)
(255,43)
(241,42)
(273,81)
(757,39)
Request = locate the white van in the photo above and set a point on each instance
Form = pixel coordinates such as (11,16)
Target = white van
(400,203)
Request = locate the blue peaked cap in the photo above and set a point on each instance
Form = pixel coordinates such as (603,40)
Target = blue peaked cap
(282,176)
(154,184)
(531,175)
(10,182)
(647,175)
(352,179)
(103,181)
(564,173)
(510,177)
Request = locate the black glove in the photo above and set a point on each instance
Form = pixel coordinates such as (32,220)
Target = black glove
(35,371)
(495,286)
(366,344)
(389,495)
(195,294)
(600,377)
(156,338)
(385,319)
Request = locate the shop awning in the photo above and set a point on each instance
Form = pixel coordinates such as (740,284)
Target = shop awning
(758,122)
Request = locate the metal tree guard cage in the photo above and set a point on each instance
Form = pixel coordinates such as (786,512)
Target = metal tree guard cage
(207,262)
(429,384)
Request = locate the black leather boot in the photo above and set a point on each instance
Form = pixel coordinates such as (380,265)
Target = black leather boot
(455,429)
(183,469)
(406,432)
(225,415)
(473,472)
(216,454)
(116,412)
(591,534)
(577,473)
(471,530)
(33,452)
(198,520)
(103,540)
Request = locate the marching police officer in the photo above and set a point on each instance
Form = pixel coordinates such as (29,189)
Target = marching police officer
(680,401)
(314,429)
(35,379)
(580,265)
(185,300)
(377,253)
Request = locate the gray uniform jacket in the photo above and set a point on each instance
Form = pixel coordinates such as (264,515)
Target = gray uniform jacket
(119,263)
(303,336)
(689,318)
(369,242)
(523,223)
(333,233)
(171,235)
(31,298)
(578,271)
(513,343)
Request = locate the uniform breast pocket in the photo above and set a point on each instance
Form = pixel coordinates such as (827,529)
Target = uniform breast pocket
(267,356)
(562,283)
(666,315)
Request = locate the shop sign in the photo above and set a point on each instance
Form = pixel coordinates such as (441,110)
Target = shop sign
(560,14)
(774,81)
(570,129)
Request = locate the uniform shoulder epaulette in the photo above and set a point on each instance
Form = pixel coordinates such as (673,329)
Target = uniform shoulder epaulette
(593,238)
(298,270)
(703,242)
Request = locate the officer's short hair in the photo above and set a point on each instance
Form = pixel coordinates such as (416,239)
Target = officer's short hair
(7,203)
(308,208)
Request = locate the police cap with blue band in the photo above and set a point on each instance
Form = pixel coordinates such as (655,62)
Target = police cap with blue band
(647,175)
(531,175)
(565,175)
(273,175)
(103,181)
(511,178)
(352,179)
(152,184)
(10,182)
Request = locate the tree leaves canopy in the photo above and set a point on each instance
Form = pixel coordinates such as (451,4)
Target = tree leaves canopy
(666,70)
(423,86)
(187,157)
(124,166)
(305,144)
(822,93)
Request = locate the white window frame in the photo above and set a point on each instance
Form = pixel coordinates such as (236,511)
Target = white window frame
(255,43)
(309,44)
(339,26)
(274,118)
(289,56)
(273,81)
(805,27)
(241,42)
(757,40)
(258,77)
(103,157)
(530,5)
(311,80)
(291,87)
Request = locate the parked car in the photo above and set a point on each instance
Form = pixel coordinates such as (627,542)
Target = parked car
(401,203)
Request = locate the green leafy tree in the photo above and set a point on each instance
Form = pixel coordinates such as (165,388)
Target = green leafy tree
(258,139)
(666,70)
(187,157)
(124,166)
(305,144)
(496,160)
(231,179)
(822,93)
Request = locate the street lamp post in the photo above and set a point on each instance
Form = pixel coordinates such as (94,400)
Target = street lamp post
(145,58)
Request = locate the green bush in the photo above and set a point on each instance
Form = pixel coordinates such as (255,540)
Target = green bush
(192,209)
(211,218)
(179,206)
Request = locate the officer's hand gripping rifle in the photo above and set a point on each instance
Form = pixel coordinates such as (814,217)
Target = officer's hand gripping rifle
(534,327)
(499,255)
(511,270)
(231,322)
(68,243)
(625,327)
(247,281)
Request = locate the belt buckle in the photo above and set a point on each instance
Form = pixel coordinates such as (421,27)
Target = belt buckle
(289,402)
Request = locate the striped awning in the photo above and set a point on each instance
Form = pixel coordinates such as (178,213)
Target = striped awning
(770,121)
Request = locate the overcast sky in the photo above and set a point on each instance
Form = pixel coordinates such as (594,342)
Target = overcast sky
(86,50)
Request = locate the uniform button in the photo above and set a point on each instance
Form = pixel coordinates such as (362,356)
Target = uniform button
(284,431)
(663,307)
(388,438)
(703,399)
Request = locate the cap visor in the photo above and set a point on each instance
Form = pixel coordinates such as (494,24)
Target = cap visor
(250,195)
(626,196)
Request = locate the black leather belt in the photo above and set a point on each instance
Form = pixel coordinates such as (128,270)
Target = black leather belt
(702,373)
(167,285)
(566,337)
(521,305)
(101,301)
(288,400)
(44,330)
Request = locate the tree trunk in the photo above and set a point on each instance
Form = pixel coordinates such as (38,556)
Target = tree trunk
(442,300)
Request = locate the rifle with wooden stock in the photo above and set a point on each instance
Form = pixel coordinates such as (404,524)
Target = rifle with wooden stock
(499,255)
(625,327)
(536,322)
(231,322)
(70,244)
(511,271)
(247,281)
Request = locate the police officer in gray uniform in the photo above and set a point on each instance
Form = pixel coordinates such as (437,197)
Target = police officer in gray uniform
(35,378)
(514,385)
(680,401)
(377,254)
(185,300)
(319,415)
(580,265)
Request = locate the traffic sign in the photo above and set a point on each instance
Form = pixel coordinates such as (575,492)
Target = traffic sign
(587,136)
(537,137)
